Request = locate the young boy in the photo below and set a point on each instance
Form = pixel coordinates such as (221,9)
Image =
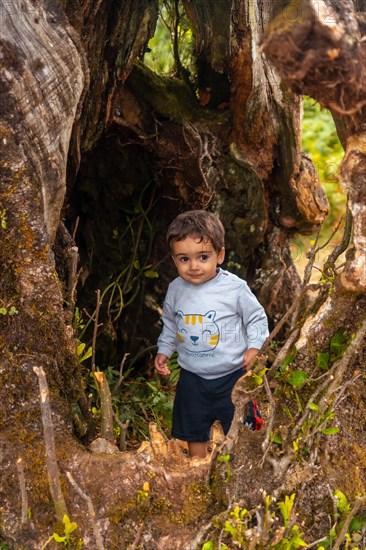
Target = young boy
(214,322)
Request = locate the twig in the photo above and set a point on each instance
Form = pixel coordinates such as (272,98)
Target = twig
(75,228)
(311,255)
(357,505)
(267,443)
(286,316)
(200,537)
(137,537)
(282,353)
(121,377)
(343,245)
(49,438)
(84,496)
(314,250)
(73,276)
(23,490)
(316,542)
(124,428)
(106,422)
(95,330)
(307,410)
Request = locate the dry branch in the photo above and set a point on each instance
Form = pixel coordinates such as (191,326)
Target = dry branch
(95,330)
(92,515)
(50,447)
(342,246)
(138,536)
(106,424)
(124,428)
(23,490)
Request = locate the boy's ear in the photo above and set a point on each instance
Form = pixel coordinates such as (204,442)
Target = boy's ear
(174,260)
(221,256)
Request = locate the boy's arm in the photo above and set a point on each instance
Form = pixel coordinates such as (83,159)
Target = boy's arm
(166,340)
(254,319)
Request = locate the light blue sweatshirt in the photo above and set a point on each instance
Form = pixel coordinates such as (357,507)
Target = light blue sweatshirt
(211,325)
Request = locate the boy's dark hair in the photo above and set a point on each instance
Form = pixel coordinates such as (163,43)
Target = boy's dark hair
(197,223)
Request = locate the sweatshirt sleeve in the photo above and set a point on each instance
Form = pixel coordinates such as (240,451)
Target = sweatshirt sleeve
(167,338)
(254,317)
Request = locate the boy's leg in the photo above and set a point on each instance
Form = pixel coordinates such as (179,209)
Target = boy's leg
(191,422)
(197,449)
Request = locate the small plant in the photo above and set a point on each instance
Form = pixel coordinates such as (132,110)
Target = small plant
(3,219)
(237,525)
(83,354)
(12,310)
(66,539)
(337,347)
(245,529)
(143,495)
(69,527)
(286,508)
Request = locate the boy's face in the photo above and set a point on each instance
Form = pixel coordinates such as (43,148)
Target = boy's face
(196,260)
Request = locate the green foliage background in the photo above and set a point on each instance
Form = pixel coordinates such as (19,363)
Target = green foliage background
(321,143)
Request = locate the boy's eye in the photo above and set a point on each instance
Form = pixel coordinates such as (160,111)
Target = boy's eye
(183,259)
(204,257)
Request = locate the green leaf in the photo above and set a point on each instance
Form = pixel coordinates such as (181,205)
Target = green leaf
(223,458)
(296,540)
(322,360)
(58,538)
(80,349)
(297,378)
(3,311)
(151,274)
(343,504)
(229,528)
(275,438)
(330,431)
(286,508)
(357,524)
(313,406)
(338,343)
(70,526)
(257,379)
(289,358)
(209,545)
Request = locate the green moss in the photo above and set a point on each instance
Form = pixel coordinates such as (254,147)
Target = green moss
(168,96)
(197,502)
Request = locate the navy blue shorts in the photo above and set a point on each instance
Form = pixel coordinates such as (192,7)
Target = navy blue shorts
(199,402)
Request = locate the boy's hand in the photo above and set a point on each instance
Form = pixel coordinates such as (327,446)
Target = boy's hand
(249,355)
(161,362)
